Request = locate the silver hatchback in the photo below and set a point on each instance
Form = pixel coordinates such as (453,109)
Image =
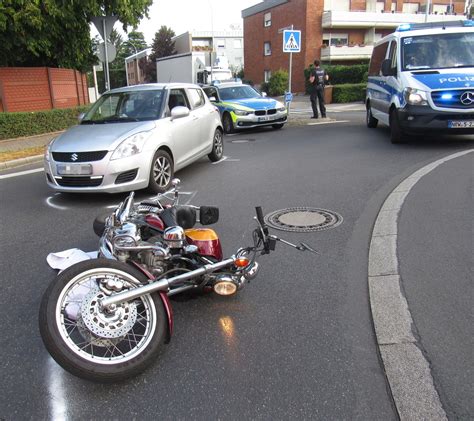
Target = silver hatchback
(135,137)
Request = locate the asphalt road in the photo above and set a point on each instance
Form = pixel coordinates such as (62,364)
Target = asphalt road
(298,342)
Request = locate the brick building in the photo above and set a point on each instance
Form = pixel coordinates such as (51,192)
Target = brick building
(335,31)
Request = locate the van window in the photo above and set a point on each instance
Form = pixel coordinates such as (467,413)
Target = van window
(377,57)
(393,54)
(438,51)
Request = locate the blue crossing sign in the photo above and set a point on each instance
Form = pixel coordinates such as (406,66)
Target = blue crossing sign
(291,41)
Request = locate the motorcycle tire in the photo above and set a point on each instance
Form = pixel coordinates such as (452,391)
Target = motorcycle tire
(92,344)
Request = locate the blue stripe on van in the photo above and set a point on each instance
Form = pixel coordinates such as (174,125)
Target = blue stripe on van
(446,81)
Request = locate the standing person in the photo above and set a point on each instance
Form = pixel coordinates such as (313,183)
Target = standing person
(317,78)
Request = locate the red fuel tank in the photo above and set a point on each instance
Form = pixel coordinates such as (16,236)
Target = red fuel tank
(206,240)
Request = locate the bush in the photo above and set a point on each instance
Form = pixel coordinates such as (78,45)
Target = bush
(278,83)
(38,122)
(349,92)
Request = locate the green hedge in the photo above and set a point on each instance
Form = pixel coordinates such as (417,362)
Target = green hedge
(349,92)
(341,74)
(21,124)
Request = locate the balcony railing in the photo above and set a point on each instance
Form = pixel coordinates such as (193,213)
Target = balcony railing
(336,19)
(346,52)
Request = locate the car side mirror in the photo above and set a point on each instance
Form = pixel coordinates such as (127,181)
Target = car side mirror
(264,94)
(212,99)
(387,69)
(179,112)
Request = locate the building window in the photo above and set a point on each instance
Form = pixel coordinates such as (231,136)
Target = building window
(380,6)
(335,39)
(267,49)
(267,19)
(267,74)
(237,43)
(410,7)
(440,9)
(220,42)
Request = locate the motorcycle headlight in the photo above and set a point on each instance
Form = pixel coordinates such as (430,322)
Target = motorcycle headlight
(415,96)
(241,112)
(130,146)
(47,152)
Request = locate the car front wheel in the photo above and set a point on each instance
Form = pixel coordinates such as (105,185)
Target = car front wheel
(161,172)
(217,146)
(228,123)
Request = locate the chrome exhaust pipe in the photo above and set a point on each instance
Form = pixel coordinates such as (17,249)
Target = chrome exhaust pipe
(163,284)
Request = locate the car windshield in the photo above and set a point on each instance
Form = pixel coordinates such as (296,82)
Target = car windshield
(123,107)
(238,92)
(438,51)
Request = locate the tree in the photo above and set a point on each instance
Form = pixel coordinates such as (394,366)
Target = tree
(56,32)
(162,46)
(135,43)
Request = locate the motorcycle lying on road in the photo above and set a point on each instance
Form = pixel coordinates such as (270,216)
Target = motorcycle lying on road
(107,319)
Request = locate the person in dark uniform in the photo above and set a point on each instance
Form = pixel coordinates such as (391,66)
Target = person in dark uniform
(318,78)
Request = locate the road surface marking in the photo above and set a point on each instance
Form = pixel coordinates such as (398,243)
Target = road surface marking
(329,122)
(17,174)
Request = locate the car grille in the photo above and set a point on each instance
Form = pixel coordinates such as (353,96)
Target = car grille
(79,181)
(265,112)
(79,156)
(127,176)
(453,99)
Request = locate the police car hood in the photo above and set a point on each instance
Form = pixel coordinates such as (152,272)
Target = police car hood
(436,79)
(254,103)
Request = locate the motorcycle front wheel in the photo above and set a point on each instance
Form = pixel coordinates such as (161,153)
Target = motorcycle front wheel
(92,343)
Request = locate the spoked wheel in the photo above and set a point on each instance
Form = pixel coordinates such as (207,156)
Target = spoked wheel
(99,344)
(227,123)
(217,146)
(161,172)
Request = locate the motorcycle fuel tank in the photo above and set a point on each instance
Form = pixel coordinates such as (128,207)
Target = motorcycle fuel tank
(206,240)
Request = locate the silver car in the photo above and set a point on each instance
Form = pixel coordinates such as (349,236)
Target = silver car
(135,137)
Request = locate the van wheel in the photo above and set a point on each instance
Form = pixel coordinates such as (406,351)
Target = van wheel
(371,120)
(396,133)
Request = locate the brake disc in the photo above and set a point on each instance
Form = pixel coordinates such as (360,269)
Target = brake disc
(105,324)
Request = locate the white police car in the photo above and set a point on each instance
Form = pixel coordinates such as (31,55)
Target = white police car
(421,78)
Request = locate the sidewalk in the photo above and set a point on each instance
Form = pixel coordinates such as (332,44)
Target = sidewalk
(300,113)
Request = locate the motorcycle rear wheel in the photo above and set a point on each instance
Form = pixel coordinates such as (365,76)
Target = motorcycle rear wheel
(95,345)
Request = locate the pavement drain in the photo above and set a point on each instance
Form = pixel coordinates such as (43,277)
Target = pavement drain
(303,219)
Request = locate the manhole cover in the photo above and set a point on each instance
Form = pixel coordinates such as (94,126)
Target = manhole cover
(303,219)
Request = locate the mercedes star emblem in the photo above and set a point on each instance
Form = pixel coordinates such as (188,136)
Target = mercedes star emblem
(467,98)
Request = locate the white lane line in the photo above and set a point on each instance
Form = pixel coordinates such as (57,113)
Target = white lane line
(57,391)
(225,158)
(17,174)
(408,372)
(329,122)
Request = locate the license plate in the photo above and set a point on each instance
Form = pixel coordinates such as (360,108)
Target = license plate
(460,124)
(262,119)
(74,169)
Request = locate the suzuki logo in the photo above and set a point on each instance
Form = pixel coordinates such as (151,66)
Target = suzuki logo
(74,157)
(467,98)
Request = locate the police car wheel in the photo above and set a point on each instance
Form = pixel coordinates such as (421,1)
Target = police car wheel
(396,133)
(227,123)
(371,120)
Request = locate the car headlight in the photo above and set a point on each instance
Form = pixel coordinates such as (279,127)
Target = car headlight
(415,96)
(130,146)
(281,109)
(47,152)
(242,112)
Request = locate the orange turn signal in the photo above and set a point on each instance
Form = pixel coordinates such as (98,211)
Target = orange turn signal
(241,262)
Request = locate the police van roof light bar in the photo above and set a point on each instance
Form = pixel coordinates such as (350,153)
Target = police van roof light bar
(428,25)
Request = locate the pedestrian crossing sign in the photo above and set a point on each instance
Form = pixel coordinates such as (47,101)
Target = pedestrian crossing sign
(291,41)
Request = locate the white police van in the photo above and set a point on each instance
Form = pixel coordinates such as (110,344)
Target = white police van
(421,78)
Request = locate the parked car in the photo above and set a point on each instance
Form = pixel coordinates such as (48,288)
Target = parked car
(241,107)
(135,137)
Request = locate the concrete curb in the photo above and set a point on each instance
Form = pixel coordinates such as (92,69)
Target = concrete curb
(19,162)
(408,372)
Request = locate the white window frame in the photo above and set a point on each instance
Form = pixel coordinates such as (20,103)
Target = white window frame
(267,48)
(267,74)
(267,19)
(412,8)
(237,42)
